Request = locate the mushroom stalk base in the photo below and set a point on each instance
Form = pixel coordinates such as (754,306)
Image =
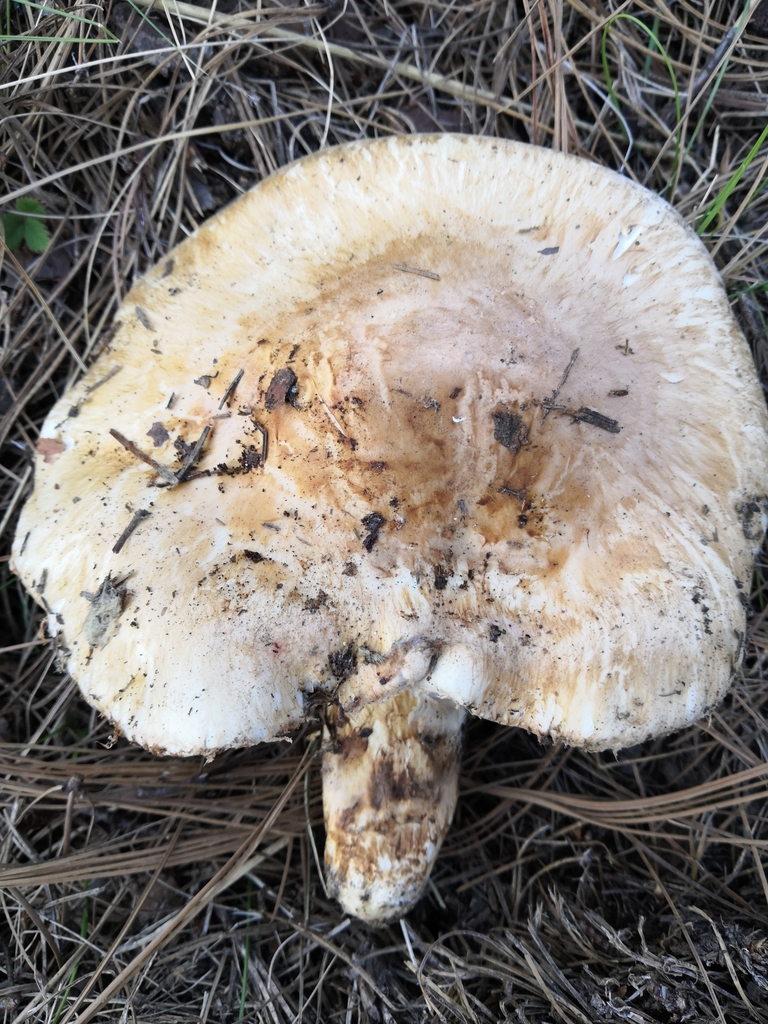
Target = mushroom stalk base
(390,784)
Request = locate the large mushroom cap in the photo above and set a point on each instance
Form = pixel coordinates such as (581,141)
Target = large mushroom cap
(497,438)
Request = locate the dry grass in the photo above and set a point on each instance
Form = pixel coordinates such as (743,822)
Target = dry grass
(573,887)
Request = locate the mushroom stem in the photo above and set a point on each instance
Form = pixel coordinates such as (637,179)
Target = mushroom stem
(390,784)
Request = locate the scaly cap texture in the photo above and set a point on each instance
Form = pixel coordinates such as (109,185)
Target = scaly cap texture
(497,438)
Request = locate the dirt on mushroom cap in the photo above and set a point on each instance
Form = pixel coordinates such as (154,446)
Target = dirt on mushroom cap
(541,577)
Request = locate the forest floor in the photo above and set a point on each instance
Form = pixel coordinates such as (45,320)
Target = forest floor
(573,886)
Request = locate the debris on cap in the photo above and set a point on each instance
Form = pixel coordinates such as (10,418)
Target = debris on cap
(418,425)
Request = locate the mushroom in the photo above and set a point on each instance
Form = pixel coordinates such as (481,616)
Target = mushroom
(416,427)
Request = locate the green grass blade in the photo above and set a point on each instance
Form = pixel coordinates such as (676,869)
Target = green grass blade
(651,46)
(6,37)
(153,25)
(759,286)
(70,17)
(657,44)
(53,39)
(735,178)
(715,87)
(73,973)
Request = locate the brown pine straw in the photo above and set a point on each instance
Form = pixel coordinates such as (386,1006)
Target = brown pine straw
(243,860)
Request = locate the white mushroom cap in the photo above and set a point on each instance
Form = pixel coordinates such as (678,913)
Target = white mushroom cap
(442,505)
